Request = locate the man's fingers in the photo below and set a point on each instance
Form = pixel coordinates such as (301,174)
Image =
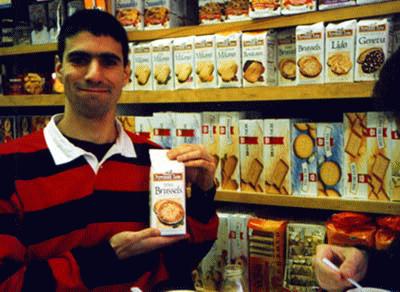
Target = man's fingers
(147,233)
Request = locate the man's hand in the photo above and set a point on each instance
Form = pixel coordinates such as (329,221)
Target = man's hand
(351,261)
(199,163)
(130,243)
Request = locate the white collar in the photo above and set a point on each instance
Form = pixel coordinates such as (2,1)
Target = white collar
(63,151)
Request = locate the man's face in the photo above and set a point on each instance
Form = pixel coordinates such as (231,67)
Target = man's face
(93,74)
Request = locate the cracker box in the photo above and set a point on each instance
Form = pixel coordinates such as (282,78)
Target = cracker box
(301,244)
(238,238)
(142,66)
(330,159)
(259,58)
(355,156)
(297,6)
(236,10)
(143,126)
(213,264)
(159,14)
(7,129)
(262,9)
(188,128)
(210,139)
(162,61)
(339,51)
(211,11)
(167,194)
(251,155)
(277,159)
(304,160)
(379,156)
(286,39)
(310,53)
(183,49)
(229,152)
(23,125)
(395,163)
(130,14)
(331,4)
(163,125)
(373,47)
(228,48)
(205,62)
(266,254)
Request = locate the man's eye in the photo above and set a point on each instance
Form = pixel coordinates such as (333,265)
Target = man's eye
(79,60)
(108,62)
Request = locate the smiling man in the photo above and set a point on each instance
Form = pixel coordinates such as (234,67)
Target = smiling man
(74,198)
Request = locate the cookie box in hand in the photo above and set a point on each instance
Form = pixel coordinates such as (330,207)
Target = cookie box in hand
(167,194)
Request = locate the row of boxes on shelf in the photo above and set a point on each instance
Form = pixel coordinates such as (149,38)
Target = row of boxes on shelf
(276,255)
(355,159)
(308,54)
(148,15)
(217,11)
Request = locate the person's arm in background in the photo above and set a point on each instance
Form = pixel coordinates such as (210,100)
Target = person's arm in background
(371,268)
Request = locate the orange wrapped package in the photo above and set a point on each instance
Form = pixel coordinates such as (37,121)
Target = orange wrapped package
(350,229)
(266,254)
(389,227)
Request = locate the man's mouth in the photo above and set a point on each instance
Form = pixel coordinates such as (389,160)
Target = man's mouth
(94,89)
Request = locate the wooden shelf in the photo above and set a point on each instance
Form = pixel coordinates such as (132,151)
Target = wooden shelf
(377,207)
(31,100)
(376,9)
(28,49)
(274,93)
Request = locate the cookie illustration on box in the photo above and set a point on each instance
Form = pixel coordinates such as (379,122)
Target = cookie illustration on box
(169,212)
(142,74)
(227,70)
(309,66)
(253,70)
(287,68)
(304,162)
(340,63)
(371,60)
(205,71)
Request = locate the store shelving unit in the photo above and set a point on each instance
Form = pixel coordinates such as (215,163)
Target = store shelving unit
(263,94)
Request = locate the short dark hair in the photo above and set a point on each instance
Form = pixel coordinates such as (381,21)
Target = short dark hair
(387,89)
(98,23)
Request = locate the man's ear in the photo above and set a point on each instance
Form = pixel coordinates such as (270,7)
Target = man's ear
(59,69)
(127,73)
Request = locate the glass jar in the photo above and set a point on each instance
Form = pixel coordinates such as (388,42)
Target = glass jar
(233,279)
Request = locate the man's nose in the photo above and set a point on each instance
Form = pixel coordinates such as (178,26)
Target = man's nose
(94,70)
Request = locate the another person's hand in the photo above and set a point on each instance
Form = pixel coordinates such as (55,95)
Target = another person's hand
(199,163)
(130,243)
(351,261)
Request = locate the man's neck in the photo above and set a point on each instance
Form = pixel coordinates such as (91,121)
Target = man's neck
(97,131)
